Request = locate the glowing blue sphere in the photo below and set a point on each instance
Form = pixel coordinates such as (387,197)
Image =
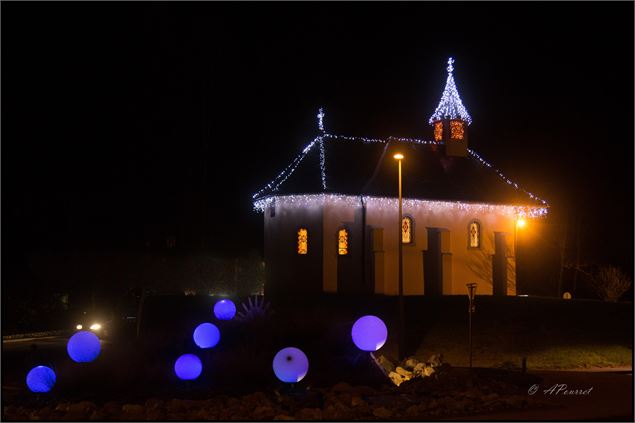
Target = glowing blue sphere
(188,367)
(40,379)
(290,365)
(225,310)
(206,335)
(83,347)
(369,333)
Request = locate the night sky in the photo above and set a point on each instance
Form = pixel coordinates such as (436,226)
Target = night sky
(126,123)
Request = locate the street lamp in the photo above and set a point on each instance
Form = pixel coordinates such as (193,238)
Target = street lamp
(401,332)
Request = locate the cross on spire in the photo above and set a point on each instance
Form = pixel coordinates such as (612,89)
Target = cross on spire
(320,117)
(450,67)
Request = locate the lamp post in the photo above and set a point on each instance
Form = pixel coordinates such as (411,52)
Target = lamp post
(402,325)
(471,292)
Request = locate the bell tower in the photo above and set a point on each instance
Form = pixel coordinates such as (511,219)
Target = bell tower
(450,119)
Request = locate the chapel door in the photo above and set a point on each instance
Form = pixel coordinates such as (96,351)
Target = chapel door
(433,264)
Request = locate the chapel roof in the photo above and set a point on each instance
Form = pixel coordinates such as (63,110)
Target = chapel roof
(362,166)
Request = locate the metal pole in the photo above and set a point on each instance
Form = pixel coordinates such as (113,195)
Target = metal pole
(471,290)
(402,325)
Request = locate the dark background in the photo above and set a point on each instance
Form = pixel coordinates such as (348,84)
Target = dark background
(125,124)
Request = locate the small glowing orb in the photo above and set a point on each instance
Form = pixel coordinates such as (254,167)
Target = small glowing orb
(83,347)
(225,310)
(369,333)
(566,295)
(188,367)
(40,379)
(206,335)
(290,365)
(521,223)
(79,327)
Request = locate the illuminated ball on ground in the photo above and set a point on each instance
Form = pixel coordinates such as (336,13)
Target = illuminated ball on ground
(40,379)
(206,335)
(83,347)
(290,365)
(225,310)
(369,333)
(188,367)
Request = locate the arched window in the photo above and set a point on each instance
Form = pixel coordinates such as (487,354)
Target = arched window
(342,242)
(406,230)
(303,241)
(474,234)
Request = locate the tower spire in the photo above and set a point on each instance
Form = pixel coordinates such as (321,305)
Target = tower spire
(450,106)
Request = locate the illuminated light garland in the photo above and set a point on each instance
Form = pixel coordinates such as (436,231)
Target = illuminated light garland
(409,204)
(282,176)
(323,164)
(505,178)
(450,105)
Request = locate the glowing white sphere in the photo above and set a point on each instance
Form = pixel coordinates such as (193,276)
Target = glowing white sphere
(369,333)
(188,367)
(206,335)
(40,379)
(225,310)
(83,347)
(290,365)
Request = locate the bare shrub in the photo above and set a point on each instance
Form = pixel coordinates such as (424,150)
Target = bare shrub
(610,283)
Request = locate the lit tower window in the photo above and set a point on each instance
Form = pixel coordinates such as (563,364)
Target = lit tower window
(438,131)
(406,230)
(303,242)
(457,132)
(342,242)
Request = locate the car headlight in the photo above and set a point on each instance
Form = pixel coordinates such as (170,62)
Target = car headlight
(95,326)
(79,327)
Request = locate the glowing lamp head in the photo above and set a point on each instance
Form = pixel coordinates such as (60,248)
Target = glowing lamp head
(188,367)
(225,310)
(290,365)
(398,156)
(520,223)
(79,327)
(40,379)
(83,347)
(206,335)
(369,333)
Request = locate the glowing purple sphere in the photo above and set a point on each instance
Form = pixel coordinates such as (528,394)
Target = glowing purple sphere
(225,310)
(290,365)
(369,333)
(188,367)
(206,335)
(40,379)
(83,347)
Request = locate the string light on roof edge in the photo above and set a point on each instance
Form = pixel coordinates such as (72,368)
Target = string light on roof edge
(450,106)
(305,200)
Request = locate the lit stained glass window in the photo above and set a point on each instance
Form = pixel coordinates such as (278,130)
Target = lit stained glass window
(342,242)
(303,243)
(438,131)
(475,235)
(456,130)
(406,230)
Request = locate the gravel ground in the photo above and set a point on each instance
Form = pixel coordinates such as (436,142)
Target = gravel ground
(451,393)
